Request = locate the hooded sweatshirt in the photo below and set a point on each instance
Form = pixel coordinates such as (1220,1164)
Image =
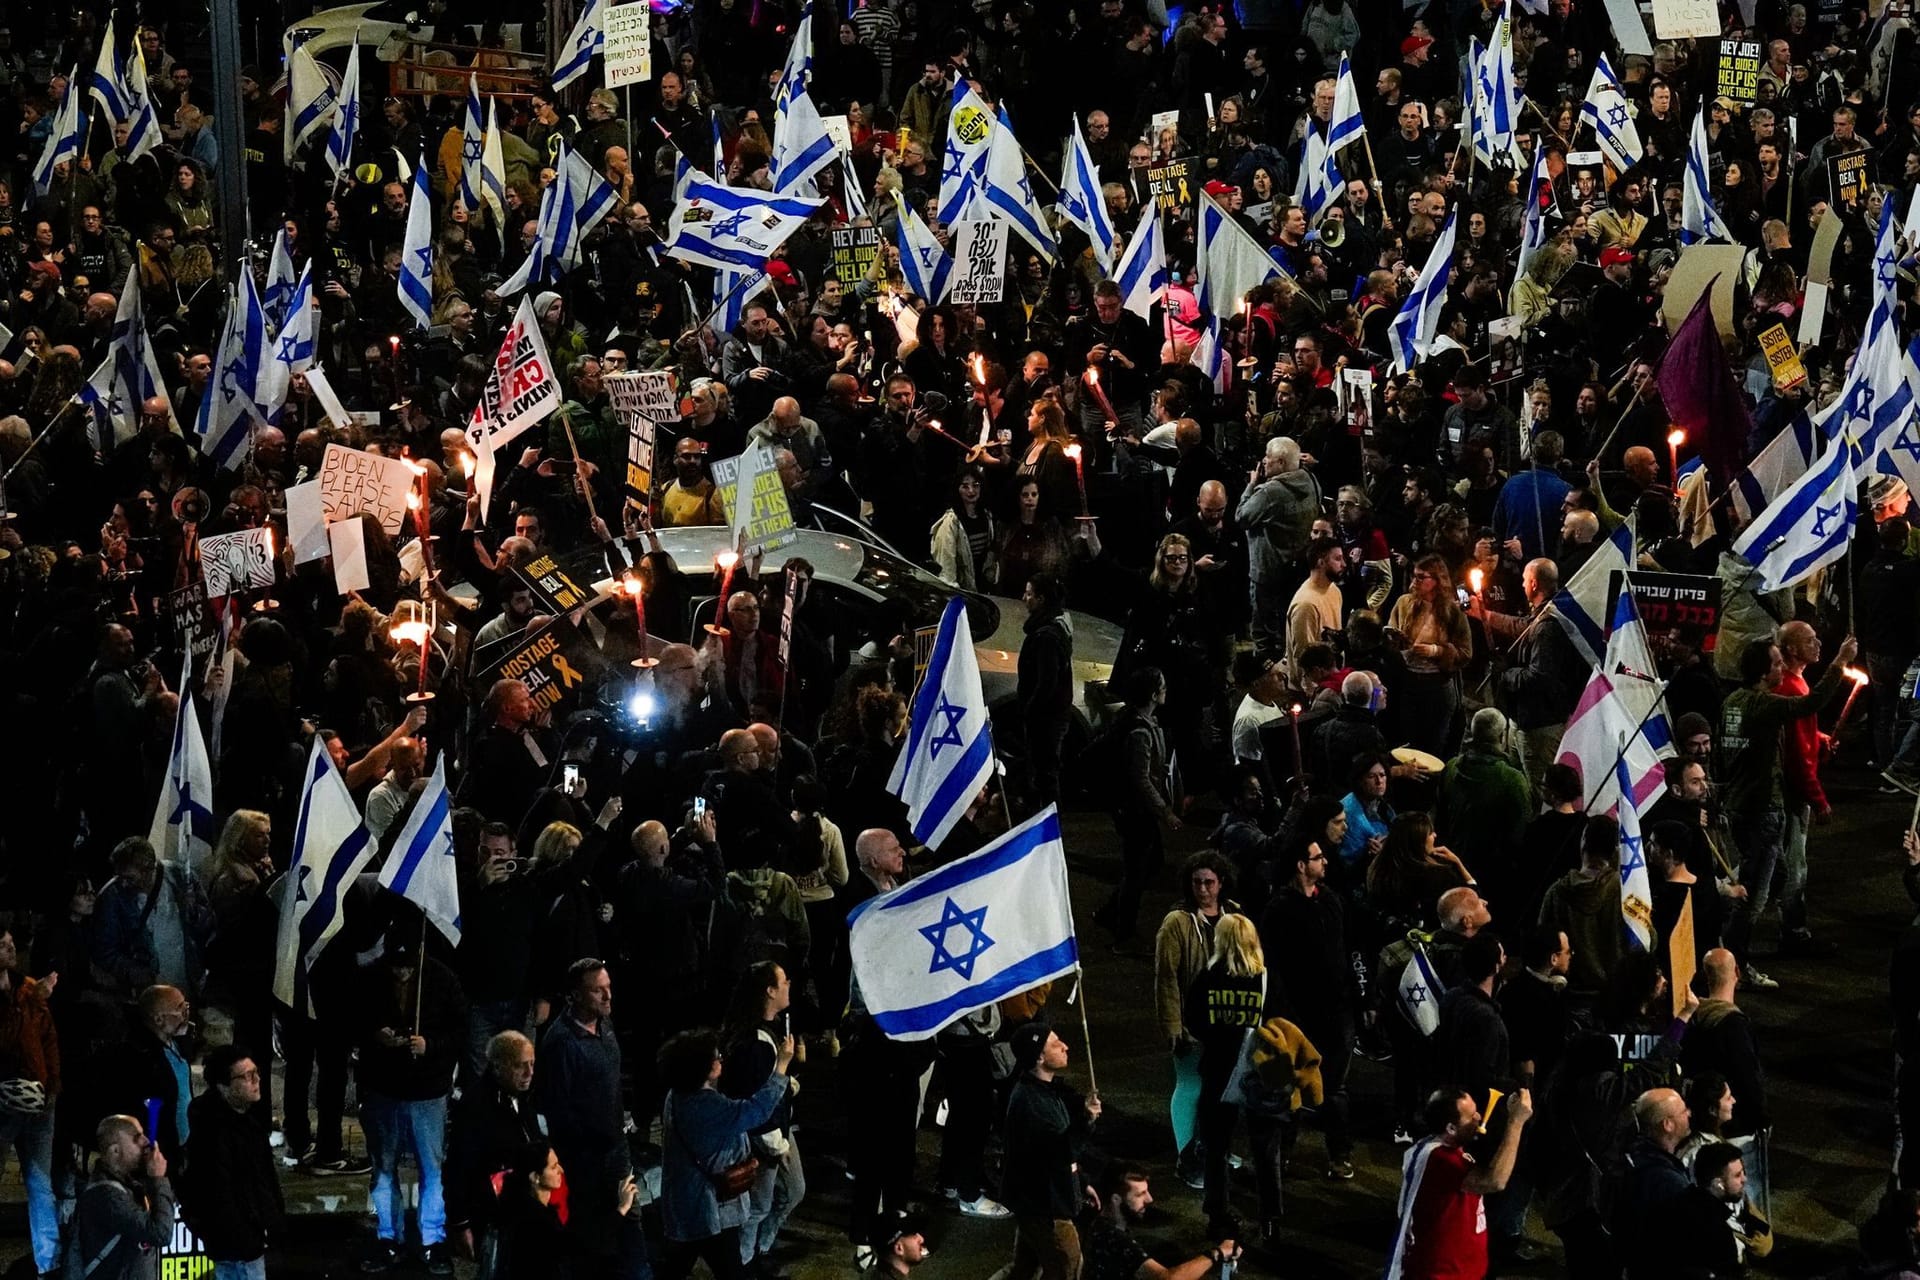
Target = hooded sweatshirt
(1587,908)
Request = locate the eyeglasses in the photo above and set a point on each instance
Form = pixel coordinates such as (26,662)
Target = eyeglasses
(1176,557)
(240,1077)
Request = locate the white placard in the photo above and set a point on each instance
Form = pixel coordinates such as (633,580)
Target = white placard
(629,49)
(353,480)
(1629,28)
(347,542)
(241,561)
(837,129)
(306,521)
(979,261)
(330,399)
(1685,19)
(1813,313)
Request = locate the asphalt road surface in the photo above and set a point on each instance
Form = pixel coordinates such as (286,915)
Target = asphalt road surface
(1823,1036)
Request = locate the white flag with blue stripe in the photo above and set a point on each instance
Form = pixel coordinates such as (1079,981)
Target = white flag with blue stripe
(1581,604)
(330,848)
(1081,202)
(1699,220)
(1621,703)
(993,924)
(422,866)
(310,98)
(1413,328)
(1785,457)
(1227,264)
(182,832)
(416,253)
(346,116)
(1636,886)
(1320,183)
(1420,990)
(1346,125)
(802,146)
(108,87)
(65,139)
(1607,110)
(1142,274)
(732,291)
(926,267)
(731,228)
(227,410)
(1807,527)
(963,165)
(493,174)
(1502,96)
(1533,218)
(281,281)
(587,38)
(1011,194)
(129,375)
(120,87)
(948,754)
(473,149)
(293,350)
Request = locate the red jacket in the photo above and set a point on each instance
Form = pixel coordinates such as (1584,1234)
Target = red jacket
(1800,754)
(27,1039)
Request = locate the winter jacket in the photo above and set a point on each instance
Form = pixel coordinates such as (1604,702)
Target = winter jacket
(1277,515)
(1471,1050)
(29,1049)
(1046,666)
(1800,764)
(1484,807)
(230,1192)
(490,1127)
(1181,950)
(1046,1131)
(953,557)
(120,1227)
(1753,725)
(1305,938)
(1587,908)
(1719,1038)
(395,1072)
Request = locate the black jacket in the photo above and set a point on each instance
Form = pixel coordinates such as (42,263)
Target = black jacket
(230,1193)
(1046,1129)
(1306,940)
(1046,667)
(396,1073)
(491,1127)
(1471,1046)
(1720,1038)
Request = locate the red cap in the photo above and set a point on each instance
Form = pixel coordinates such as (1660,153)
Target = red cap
(1219,188)
(1613,255)
(781,272)
(1413,44)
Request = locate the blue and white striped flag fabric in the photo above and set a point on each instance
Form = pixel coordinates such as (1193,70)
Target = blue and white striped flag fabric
(1413,328)
(281,279)
(925,265)
(416,254)
(587,38)
(422,867)
(733,229)
(65,139)
(346,118)
(129,376)
(293,350)
(1607,110)
(1620,704)
(310,97)
(1142,274)
(948,754)
(109,87)
(1808,526)
(802,146)
(1581,604)
(1699,220)
(182,832)
(493,174)
(1346,124)
(993,924)
(1420,990)
(1081,202)
(963,165)
(1533,218)
(227,411)
(1011,194)
(1502,94)
(1636,886)
(330,848)
(473,150)
(1320,183)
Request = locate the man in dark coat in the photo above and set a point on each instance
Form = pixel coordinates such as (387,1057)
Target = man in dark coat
(230,1191)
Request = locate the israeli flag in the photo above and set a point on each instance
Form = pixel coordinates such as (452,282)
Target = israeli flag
(572,205)
(227,410)
(129,375)
(963,166)
(850,196)
(586,39)
(948,754)
(976,931)
(1606,109)
(732,229)
(416,254)
(1420,991)
(1412,330)
(1009,192)
(1636,886)
(1533,218)
(1699,220)
(330,848)
(423,868)
(65,139)
(310,98)
(1808,526)
(926,266)
(1497,86)
(1320,183)
(1785,457)
(1142,275)
(732,291)
(182,832)
(1619,707)
(293,350)
(473,150)
(346,119)
(801,145)
(1581,604)
(281,280)
(493,175)
(1346,125)
(1081,202)
(1227,264)
(109,87)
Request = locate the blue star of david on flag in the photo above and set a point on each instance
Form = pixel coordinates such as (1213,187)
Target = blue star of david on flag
(1820,517)
(949,735)
(1617,115)
(730,226)
(977,942)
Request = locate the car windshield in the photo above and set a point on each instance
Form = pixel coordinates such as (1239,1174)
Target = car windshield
(918,595)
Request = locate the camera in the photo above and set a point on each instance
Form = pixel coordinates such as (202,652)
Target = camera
(934,402)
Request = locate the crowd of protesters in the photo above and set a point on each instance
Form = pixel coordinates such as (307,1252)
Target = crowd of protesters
(1305,577)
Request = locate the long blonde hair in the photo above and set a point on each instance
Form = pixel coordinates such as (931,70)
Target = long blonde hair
(555,845)
(1236,945)
(229,851)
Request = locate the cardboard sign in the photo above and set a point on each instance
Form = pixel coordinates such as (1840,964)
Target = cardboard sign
(641,400)
(1681,958)
(629,49)
(556,592)
(1847,179)
(1680,611)
(556,663)
(838,129)
(769,522)
(1739,72)
(354,481)
(979,262)
(347,544)
(522,388)
(1782,360)
(854,251)
(242,561)
(189,622)
(1629,28)
(1174,184)
(1161,122)
(306,521)
(1685,19)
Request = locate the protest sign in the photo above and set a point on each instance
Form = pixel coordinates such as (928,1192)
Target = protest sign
(241,561)
(521,389)
(838,129)
(353,481)
(1847,178)
(1685,19)
(306,521)
(1739,71)
(1783,362)
(979,261)
(556,663)
(641,401)
(768,520)
(629,48)
(552,586)
(854,250)
(1173,183)
(189,622)
(1680,612)
(347,544)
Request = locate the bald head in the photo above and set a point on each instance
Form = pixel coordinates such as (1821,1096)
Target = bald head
(786,414)
(1722,973)
(650,844)
(767,738)
(1661,1116)
(740,750)
(1186,434)
(1463,911)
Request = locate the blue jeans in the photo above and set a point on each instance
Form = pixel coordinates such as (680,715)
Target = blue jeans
(1759,837)
(32,1141)
(775,1193)
(392,1126)
(255,1270)
(485,1020)
(1793,871)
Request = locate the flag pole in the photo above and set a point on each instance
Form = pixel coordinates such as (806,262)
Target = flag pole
(420,974)
(1628,740)
(586,490)
(1086,1032)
